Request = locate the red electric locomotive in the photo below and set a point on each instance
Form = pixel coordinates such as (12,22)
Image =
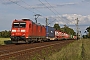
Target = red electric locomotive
(25,31)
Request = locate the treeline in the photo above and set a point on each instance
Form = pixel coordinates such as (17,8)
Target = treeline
(5,34)
(71,31)
(65,29)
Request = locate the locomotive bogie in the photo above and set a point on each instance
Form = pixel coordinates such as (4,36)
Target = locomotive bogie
(18,39)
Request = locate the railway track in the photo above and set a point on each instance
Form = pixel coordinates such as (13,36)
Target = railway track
(7,52)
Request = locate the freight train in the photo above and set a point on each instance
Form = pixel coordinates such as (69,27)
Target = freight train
(26,31)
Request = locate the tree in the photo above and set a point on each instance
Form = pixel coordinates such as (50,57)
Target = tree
(88,30)
(68,30)
(56,26)
(5,34)
(65,29)
(0,34)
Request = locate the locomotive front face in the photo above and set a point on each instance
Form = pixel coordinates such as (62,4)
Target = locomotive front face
(18,31)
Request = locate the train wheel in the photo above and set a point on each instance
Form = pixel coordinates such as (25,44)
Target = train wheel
(32,42)
(27,41)
(41,41)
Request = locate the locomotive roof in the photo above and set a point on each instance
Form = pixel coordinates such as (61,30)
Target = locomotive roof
(23,20)
(28,20)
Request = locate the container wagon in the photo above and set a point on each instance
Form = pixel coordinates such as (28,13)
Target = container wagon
(50,33)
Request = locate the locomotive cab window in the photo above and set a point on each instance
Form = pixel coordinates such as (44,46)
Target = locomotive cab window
(15,25)
(19,25)
(22,24)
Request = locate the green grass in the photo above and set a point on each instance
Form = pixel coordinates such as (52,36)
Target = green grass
(43,54)
(78,50)
(4,41)
(86,45)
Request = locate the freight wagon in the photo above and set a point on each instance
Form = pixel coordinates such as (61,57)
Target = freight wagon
(50,33)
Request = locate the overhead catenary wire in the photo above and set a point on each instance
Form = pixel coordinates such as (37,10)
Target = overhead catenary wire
(50,10)
(55,9)
(32,7)
(29,9)
(22,6)
(52,7)
(47,7)
(35,9)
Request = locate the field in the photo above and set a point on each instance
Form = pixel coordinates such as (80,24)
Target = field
(78,50)
(4,41)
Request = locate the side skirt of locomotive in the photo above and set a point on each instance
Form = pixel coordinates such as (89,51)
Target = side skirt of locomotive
(23,39)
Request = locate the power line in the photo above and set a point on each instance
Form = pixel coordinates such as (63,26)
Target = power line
(29,9)
(30,6)
(52,7)
(48,8)
(21,6)
(35,9)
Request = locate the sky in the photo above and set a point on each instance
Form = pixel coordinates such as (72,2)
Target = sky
(63,12)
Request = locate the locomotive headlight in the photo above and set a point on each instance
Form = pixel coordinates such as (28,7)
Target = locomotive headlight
(13,30)
(22,30)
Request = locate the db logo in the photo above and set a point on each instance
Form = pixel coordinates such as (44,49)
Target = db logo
(18,30)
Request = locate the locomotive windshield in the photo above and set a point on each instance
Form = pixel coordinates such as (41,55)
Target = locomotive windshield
(19,25)
(23,25)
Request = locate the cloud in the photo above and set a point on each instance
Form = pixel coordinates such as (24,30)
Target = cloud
(7,2)
(69,19)
(46,5)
